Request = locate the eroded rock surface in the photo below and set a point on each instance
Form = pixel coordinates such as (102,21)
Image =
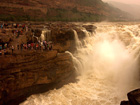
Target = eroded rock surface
(133,98)
(29,72)
(22,75)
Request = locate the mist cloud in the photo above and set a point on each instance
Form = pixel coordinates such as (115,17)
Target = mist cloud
(137,2)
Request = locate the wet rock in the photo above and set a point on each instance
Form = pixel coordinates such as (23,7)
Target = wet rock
(5,38)
(134,97)
(63,39)
(62,35)
(33,72)
(29,37)
(90,28)
(80,33)
(37,32)
(125,103)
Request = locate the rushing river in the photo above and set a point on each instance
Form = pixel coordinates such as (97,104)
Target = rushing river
(107,64)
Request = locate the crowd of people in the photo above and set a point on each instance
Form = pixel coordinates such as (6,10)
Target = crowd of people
(43,46)
(35,46)
(17,30)
(3,48)
(13,25)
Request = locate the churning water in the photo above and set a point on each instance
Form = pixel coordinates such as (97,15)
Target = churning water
(107,64)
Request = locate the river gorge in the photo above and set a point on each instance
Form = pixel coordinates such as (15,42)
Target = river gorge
(107,64)
(99,61)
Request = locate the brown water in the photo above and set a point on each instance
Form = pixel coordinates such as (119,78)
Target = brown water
(107,64)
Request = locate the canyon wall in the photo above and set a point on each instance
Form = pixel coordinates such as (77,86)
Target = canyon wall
(27,72)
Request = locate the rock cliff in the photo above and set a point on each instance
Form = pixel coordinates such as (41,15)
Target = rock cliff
(24,74)
(30,72)
(58,10)
(133,98)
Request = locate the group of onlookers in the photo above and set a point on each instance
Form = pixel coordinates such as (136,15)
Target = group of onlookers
(43,46)
(35,46)
(17,29)
(3,48)
(12,25)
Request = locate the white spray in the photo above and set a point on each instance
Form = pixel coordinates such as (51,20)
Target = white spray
(45,35)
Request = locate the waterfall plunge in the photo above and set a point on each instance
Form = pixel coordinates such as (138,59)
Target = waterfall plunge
(107,68)
(45,35)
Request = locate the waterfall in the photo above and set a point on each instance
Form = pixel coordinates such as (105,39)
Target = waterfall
(77,41)
(45,35)
(108,68)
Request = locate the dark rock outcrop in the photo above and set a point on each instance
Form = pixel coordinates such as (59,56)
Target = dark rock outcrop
(58,10)
(63,36)
(125,103)
(133,98)
(90,28)
(29,72)
(33,72)
(38,32)
(63,39)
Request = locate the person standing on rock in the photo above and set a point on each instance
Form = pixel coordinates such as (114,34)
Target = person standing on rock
(29,46)
(32,45)
(0,52)
(5,46)
(2,26)
(23,26)
(12,49)
(37,46)
(50,48)
(18,34)
(0,49)
(18,46)
(21,46)
(26,28)
(44,48)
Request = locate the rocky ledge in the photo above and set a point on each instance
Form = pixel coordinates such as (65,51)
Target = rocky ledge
(30,72)
(34,72)
(133,98)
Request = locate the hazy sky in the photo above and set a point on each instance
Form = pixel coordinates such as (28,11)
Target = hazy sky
(126,1)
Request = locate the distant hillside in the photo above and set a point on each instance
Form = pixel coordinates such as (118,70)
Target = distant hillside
(58,10)
(132,9)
